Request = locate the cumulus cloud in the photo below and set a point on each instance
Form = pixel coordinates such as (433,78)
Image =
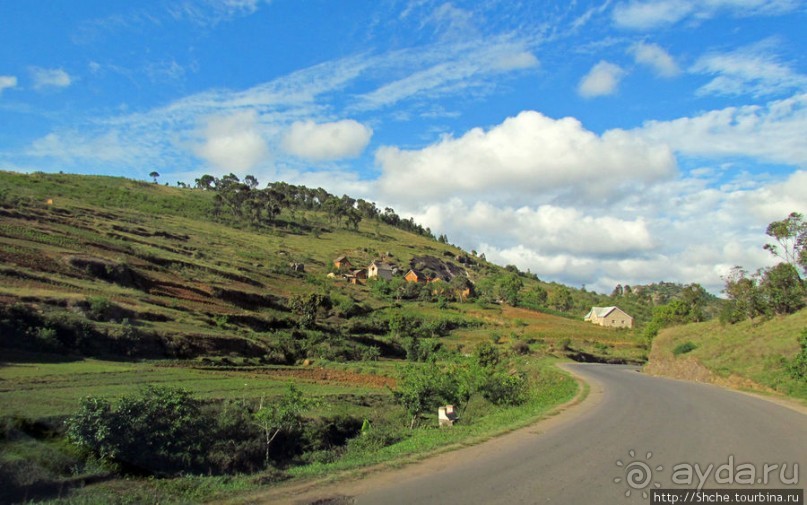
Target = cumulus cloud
(50,78)
(327,141)
(524,157)
(550,229)
(602,79)
(650,14)
(233,142)
(655,57)
(683,230)
(753,70)
(7,82)
(772,133)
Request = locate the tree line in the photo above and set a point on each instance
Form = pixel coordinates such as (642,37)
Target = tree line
(776,290)
(242,200)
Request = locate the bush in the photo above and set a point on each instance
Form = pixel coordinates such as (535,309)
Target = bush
(506,389)
(422,349)
(684,348)
(422,389)
(158,432)
(798,365)
(520,347)
(486,354)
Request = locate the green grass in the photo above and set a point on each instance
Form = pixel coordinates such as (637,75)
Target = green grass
(756,350)
(549,388)
(168,236)
(40,389)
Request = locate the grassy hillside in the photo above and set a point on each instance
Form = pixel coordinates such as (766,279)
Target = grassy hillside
(752,354)
(108,285)
(111,266)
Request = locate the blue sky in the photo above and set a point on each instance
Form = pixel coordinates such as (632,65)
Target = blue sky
(596,143)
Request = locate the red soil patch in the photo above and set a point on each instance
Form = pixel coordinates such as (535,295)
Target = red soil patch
(328,376)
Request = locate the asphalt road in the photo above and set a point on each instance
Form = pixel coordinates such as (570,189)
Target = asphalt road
(667,424)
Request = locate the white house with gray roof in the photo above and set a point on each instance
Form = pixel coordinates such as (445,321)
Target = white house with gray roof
(612,317)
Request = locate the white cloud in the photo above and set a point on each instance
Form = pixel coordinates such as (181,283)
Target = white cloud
(752,70)
(525,157)
(682,230)
(602,79)
(72,146)
(651,14)
(327,141)
(212,12)
(233,142)
(50,78)
(771,133)
(655,57)
(7,82)
(517,61)
(447,69)
(550,229)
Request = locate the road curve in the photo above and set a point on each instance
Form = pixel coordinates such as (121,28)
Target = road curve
(630,418)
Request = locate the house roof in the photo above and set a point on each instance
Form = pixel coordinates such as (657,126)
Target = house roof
(601,312)
(341,258)
(417,273)
(382,266)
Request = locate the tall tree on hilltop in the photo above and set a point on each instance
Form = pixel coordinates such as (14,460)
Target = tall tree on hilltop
(791,237)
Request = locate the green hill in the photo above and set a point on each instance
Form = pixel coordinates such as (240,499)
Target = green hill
(753,354)
(231,293)
(103,266)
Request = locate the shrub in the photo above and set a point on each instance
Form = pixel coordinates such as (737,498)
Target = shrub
(371,353)
(520,347)
(159,431)
(422,389)
(798,365)
(684,348)
(486,354)
(422,349)
(506,389)
(100,308)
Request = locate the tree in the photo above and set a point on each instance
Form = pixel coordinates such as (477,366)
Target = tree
(536,297)
(460,287)
(284,415)
(783,289)
(508,288)
(307,307)
(154,176)
(424,388)
(251,181)
(159,431)
(791,240)
(205,182)
(744,297)
(561,299)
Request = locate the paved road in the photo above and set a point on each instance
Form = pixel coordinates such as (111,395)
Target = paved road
(576,463)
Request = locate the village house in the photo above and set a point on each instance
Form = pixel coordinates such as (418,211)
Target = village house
(342,263)
(379,270)
(356,277)
(612,317)
(416,276)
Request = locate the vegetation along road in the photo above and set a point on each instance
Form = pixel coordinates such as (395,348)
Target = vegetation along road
(673,430)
